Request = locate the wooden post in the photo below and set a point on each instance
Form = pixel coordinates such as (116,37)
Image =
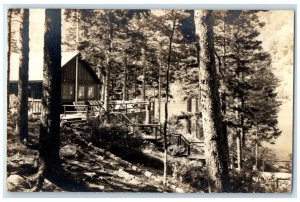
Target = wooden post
(159,86)
(87,112)
(147,118)
(150,115)
(153,108)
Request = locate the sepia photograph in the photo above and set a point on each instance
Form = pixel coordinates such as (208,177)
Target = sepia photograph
(149,100)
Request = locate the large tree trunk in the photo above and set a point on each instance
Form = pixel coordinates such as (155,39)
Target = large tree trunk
(9,15)
(51,99)
(22,111)
(215,148)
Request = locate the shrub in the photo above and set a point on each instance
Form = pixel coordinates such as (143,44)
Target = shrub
(115,138)
(241,182)
(191,172)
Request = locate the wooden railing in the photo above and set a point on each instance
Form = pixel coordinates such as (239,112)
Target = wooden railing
(78,109)
(35,106)
(181,140)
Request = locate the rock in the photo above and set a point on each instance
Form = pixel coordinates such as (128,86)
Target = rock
(94,187)
(179,190)
(75,168)
(90,174)
(100,158)
(134,181)
(124,174)
(148,174)
(15,182)
(134,168)
(68,151)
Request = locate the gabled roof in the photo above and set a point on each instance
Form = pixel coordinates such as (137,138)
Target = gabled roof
(35,64)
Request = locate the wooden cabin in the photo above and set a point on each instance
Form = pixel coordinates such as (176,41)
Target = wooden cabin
(79,81)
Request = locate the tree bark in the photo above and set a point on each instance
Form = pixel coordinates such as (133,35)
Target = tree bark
(188,119)
(125,97)
(22,111)
(215,148)
(239,151)
(103,89)
(9,15)
(51,99)
(144,73)
(107,88)
(167,100)
(107,78)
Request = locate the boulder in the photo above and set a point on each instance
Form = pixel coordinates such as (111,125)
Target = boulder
(15,182)
(148,174)
(68,151)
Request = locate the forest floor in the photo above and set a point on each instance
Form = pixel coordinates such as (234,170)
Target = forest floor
(89,168)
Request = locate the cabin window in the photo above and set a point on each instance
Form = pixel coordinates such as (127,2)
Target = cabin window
(91,92)
(67,91)
(81,92)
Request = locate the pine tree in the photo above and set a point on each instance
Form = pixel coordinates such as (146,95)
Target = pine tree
(215,150)
(9,36)
(240,57)
(50,116)
(22,110)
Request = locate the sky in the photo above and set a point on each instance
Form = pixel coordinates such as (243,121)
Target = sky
(277,37)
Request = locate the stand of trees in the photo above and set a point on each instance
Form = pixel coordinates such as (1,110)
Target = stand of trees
(215,55)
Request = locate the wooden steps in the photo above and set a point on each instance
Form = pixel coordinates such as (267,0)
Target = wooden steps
(196,157)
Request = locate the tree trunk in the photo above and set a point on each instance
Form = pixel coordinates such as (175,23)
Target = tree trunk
(125,80)
(22,111)
(103,88)
(256,152)
(144,73)
(107,78)
(188,119)
(107,88)
(166,103)
(239,144)
(9,15)
(215,148)
(51,99)
(239,151)
(159,82)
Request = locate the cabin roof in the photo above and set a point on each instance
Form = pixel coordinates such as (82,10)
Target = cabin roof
(35,71)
